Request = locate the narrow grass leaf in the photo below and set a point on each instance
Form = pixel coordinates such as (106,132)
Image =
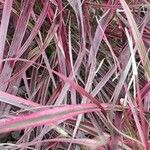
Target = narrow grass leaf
(4,26)
(46,117)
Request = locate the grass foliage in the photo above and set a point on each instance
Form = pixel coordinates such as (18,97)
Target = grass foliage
(74,74)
